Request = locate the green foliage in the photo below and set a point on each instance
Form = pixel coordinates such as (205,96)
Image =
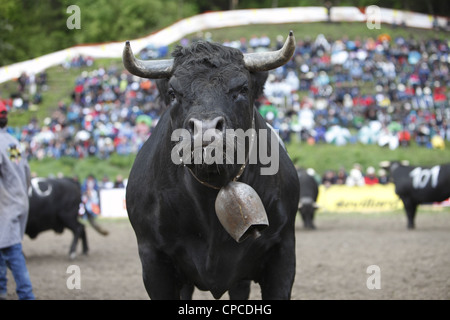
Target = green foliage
(31,28)
(36,28)
(322,157)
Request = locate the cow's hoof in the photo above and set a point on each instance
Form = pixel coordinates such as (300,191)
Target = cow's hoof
(72,255)
(411,227)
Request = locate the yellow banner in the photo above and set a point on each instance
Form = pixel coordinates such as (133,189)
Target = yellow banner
(373,198)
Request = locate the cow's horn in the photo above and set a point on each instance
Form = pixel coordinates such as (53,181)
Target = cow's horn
(264,61)
(151,69)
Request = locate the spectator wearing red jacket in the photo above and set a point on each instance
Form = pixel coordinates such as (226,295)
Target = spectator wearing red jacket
(370,178)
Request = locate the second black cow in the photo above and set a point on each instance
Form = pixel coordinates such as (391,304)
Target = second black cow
(54,205)
(417,185)
(309,191)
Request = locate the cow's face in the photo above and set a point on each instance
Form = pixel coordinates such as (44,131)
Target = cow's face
(210,89)
(209,93)
(307,209)
(307,212)
(211,85)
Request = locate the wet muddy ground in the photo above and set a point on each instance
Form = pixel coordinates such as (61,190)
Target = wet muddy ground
(332,261)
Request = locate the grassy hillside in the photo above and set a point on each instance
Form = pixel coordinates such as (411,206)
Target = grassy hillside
(320,157)
(335,30)
(61,81)
(83,167)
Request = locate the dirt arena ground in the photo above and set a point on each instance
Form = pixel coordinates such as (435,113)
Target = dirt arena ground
(332,261)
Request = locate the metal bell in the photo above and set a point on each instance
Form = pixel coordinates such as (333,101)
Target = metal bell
(241,211)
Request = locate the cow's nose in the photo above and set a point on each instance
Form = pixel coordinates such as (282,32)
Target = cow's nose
(197,128)
(196,125)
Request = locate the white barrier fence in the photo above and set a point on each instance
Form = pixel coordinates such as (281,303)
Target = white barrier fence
(368,199)
(112,203)
(220,19)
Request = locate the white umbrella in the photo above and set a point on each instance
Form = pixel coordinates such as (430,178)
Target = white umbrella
(339,57)
(82,135)
(369,134)
(388,139)
(44,136)
(337,135)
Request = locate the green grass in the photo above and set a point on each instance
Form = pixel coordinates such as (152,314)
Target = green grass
(334,31)
(81,168)
(322,157)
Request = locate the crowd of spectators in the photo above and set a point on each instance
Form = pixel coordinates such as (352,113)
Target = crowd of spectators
(110,111)
(355,177)
(401,84)
(329,82)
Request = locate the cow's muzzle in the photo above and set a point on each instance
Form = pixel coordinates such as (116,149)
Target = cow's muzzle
(241,211)
(207,141)
(205,131)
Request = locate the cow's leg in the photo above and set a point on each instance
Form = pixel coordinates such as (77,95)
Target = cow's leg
(186,292)
(279,271)
(159,274)
(305,222)
(313,226)
(309,224)
(84,241)
(411,209)
(73,247)
(240,291)
(70,221)
(307,217)
(77,232)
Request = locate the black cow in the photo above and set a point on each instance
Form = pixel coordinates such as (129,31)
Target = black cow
(416,185)
(172,204)
(54,205)
(309,190)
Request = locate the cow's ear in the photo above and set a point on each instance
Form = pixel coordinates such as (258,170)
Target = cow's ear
(163,87)
(258,81)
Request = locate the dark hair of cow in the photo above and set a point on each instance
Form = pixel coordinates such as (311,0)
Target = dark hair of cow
(206,58)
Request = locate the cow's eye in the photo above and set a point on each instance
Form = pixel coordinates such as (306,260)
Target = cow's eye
(241,93)
(172,95)
(244,90)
